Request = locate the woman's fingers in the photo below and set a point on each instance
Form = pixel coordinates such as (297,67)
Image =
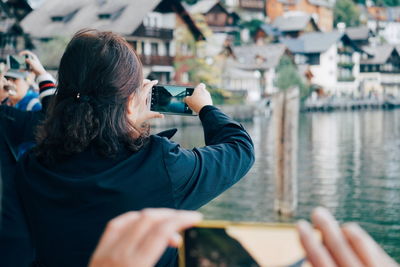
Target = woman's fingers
(200,98)
(369,252)
(334,239)
(316,253)
(140,238)
(29,53)
(163,230)
(154,115)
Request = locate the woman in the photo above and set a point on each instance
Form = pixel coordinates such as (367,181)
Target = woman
(95,158)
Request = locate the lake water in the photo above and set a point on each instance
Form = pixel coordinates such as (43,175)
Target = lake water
(348,162)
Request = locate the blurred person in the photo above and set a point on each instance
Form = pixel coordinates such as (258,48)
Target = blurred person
(95,158)
(17,132)
(138,239)
(21,94)
(3,90)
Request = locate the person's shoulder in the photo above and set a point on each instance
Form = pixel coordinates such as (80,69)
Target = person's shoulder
(162,142)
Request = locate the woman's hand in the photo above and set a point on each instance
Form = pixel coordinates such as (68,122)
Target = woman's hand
(139,238)
(348,245)
(34,62)
(139,109)
(199,99)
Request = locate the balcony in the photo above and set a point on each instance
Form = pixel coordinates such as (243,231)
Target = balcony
(152,32)
(152,60)
(347,65)
(346,79)
(252,4)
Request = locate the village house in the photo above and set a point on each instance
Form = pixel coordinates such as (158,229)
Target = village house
(384,22)
(148,25)
(217,17)
(360,35)
(321,10)
(332,58)
(380,74)
(252,68)
(248,9)
(291,24)
(12,37)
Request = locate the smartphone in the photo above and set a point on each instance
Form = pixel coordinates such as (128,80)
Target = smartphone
(168,99)
(241,245)
(17,62)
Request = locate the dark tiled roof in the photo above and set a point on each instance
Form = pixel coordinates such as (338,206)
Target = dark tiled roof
(314,42)
(358,33)
(270,30)
(253,57)
(85,14)
(292,23)
(380,54)
(202,7)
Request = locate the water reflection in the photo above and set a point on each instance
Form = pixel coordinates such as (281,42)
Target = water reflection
(349,162)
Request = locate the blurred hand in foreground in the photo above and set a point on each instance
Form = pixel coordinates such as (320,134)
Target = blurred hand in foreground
(139,238)
(34,62)
(347,246)
(199,99)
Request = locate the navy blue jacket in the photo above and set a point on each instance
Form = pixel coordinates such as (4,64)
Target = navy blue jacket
(68,205)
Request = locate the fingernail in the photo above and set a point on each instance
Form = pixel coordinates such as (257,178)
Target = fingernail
(194,215)
(155,81)
(322,212)
(303,225)
(177,239)
(352,226)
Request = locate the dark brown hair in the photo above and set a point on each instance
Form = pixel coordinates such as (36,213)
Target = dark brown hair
(98,74)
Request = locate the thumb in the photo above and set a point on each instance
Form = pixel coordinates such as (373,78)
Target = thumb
(154,115)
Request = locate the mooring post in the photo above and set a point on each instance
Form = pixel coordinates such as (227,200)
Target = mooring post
(286,106)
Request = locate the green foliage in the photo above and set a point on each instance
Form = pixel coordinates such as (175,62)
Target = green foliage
(346,11)
(288,77)
(385,2)
(50,52)
(252,25)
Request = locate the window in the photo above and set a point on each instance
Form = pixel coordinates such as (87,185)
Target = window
(313,59)
(142,48)
(154,49)
(300,59)
(167,49)
(134,45)
(104,16)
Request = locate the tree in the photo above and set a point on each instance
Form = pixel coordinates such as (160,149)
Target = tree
(50,52)
(346,11)
(288,77)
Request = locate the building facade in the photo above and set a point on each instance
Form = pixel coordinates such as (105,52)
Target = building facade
(148,25)
(332,59)
(321,10)
(380,74)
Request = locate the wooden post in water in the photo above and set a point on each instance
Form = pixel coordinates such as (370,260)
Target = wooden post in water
(285,118)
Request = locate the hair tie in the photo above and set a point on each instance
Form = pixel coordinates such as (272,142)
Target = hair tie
(82,98)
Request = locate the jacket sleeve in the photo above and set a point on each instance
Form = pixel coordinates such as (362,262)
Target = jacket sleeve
(47,89)
(199,175)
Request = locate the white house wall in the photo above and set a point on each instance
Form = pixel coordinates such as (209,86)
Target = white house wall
(391,33)
(326,72)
